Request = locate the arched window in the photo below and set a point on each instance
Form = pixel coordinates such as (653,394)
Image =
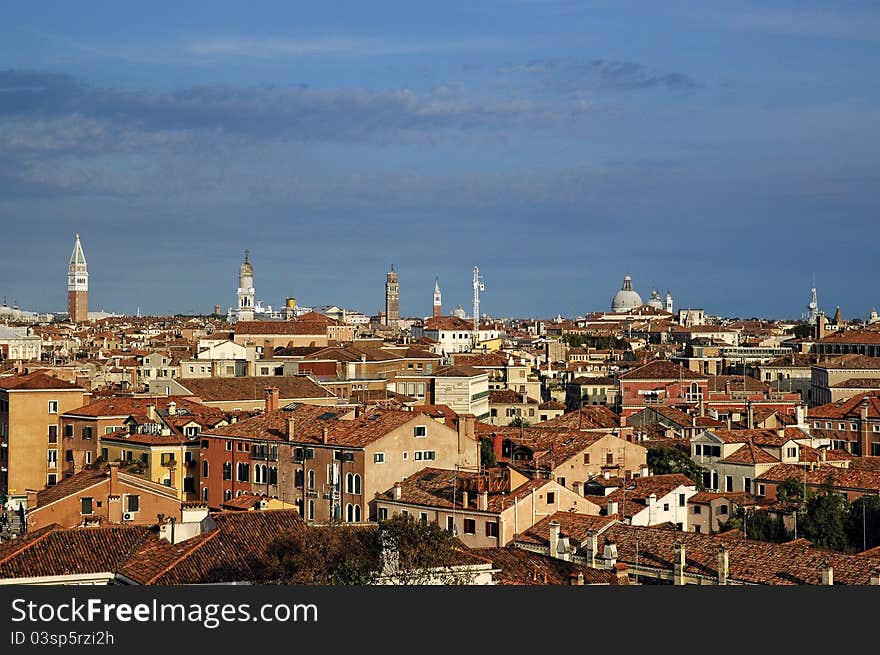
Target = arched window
(357,484)
(205,494)
(243,471)
(349,513)
(349,483)
(312,509)
(357,514)
(312,480)
(273,475)
(227,495)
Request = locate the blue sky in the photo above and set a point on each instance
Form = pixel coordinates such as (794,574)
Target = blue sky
(726,151)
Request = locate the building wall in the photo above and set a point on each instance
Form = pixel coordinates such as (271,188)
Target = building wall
(609,453)
(155,471)
(26,426)
(464,395)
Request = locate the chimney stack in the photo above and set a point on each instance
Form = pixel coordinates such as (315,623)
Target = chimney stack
(498,446)
(613,506)
(591,546)
(820,325)
(827,574)
(272,399)
(678,570)
(151,412)
(464,499)
(723,564)
(172,408)
(397,491)
(864,429)
(875,578)
(554,539)
(610,553)
(578,580)
(800,414)
(290,428)
(483,501)
(324,435)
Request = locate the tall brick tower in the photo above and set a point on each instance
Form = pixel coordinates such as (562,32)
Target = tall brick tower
(392,299)
(78,285)
(438,299)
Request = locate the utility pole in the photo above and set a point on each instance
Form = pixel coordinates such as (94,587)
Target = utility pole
(478,286)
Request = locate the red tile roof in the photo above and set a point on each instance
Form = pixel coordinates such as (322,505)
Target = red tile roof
(36,381)
(253,388)
(661,370)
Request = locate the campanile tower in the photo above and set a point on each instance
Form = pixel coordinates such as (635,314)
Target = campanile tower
(78,285)
(438,299)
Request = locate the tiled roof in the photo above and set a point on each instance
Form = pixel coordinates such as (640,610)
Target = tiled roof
(750,562)
(53,551)
(749,453)
(310,422)
(871,337)
(661,370)
(849,408)
(494,360)
(858,383)
(718,383)
(764,437)
(839,477)
(316,328)
(34,382)
(522,567)
(462,371)
(590,417)
(851,361)
(70,486)
(573,526)
(551,404)
(509,397)
(253,388)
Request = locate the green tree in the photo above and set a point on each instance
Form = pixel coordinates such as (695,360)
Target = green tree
(665,459)
(863,523)
(790,489)
(519,422)
(826,518)
(487,453)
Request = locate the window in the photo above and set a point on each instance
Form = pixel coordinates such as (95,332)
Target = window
(423,517)
(853,427)
(609,458)
(698,449)
(405,455)
(450,524)
(379,458)
(311,510)
(228,445)
(243,471)
(728,483)
(698,509)
(204,468)
(420,431)
(104,454)
(696,528)
(561,481)
(828,425)
(876,428)
(227,495)
(761,489)
(722,509)
(383,513)
(311,479)
(88,457)
(52,457)
(841,426)
(817,425)
(51,480)
(166,459)
(470,526)
(206,443)
(205,494)
(68,455)
(492,528)
(86,505)
(747,485)
(681,500)
(586,458)
(53,434)
(132,503)
(53,406)
(665,507)
(551,497)
(68,430)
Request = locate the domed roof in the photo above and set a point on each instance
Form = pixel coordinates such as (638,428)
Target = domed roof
(655,300)
(626,298)
(246,268)
(459,312)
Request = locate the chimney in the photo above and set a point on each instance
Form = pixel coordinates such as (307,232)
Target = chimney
(323,435)
(397,491)
(151,412)
(497,446)
(464,499)
(780,432)
(554,539)
(272,399)
(864,429)
(290,428)
(612,507)
(578,580)
(875,578)
(820,325)
(723,564)
(827,574)
(591,545)
(727,387)
(172,408)
(800,414)
(114,477)
(610,553)
(678,569)
(622,573)
(751,415)
(483,501)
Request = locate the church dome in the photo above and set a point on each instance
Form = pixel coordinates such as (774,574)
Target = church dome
(656,301)
(459,312)
(246,268)
(626,298)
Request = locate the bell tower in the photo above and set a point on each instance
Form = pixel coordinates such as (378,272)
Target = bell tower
(78,285)
(438,299)
(392,299)
(245,310)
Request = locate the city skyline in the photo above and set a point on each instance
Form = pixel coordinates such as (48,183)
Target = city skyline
(724,153)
